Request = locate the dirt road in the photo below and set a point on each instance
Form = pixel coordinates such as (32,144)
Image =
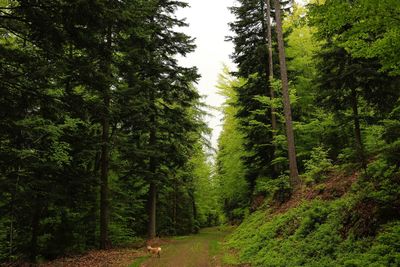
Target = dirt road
(201,250)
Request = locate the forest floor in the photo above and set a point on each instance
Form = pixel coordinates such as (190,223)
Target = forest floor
(201,250)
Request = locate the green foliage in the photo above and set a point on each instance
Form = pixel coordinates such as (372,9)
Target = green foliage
(317,166)
(310,235)
(382,251)
(369,29)
(274,189)
(208,209)
(346,112)
(89,90)
(253,104)
(374,142)
(232,185)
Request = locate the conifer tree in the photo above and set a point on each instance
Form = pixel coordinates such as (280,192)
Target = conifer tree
(294,173)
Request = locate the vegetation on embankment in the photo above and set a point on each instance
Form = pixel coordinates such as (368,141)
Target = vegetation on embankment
(345,101)
(322,226)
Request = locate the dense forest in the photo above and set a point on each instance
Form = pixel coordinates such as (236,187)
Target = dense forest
(103,140)
(102,136)
(326,75)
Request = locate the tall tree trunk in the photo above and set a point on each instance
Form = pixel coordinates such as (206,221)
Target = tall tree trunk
(152,197)
(105,149)
(175,204)
(152,202)
(357,128)
(271,76)
(35,230)
(270,66)
(194,210)
(12,204)
(104,202)
(294,174)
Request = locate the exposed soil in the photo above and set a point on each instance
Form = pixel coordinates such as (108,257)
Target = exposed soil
(334,187)
(102,258)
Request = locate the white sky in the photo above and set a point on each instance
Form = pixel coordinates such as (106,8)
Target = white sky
(208,23)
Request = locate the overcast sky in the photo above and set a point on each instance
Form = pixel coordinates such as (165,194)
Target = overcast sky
(208,20)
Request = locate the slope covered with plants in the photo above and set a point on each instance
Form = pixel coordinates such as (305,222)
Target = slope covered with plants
(344,98)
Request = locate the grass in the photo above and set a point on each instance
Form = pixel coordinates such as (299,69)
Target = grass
(215,247)
(201,249)
(180,237)
(139,261)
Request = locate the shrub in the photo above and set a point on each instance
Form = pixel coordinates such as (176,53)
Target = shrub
(317,166)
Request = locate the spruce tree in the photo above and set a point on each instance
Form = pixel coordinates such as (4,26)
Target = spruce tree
(294,173)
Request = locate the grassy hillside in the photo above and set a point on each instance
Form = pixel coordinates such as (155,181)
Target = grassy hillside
(341,222)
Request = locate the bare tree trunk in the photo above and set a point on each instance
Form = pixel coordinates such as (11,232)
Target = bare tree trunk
(175,203)
(271,76)
(294,174)
(35,231)
(105,151)
(271,66)
(194,209)
(152,204)
(104,202)
(13,200)
(152,197)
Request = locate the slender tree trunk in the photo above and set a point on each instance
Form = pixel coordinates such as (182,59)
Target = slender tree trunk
(175,203)
(35,231)
(294,174)
(152,202)
(104,202)
(105,150)
(271,77)
(13,199)
(152,197)
(357,128)
(194,209)
(271,66)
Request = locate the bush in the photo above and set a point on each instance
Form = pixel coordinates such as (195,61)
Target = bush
(278,189)
(317,166)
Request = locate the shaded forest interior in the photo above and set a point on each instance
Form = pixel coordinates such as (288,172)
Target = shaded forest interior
(103,139)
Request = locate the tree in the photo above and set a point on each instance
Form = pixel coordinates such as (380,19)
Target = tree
(251,56)
(233,187)
(271,70)
(77,115)
(346,81)
(369,30)
(294,174)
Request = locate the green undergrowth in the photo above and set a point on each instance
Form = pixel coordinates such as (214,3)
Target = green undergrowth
(348,231)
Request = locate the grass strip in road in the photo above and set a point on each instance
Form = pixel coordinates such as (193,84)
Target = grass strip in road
(139,261)
(215,247)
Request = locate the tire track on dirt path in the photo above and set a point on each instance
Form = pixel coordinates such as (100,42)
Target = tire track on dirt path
(201,250)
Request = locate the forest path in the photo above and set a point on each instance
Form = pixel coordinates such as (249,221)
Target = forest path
(201,250)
